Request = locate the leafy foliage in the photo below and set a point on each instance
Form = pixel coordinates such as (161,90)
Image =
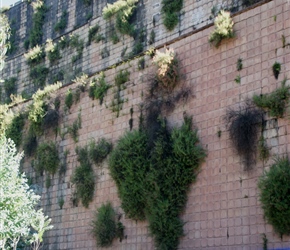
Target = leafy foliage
(99,88)
(10,86)
(93,34)
(68,101)
(274,195)
(170,11)
(123,11)
(275,102)
(17,201)
(276,69)
(263,149)
(104,226)
(14,130)
(47,158)
(243,125)
(223,28)
(30,142)
(153,181)
(38,75)
(74,128)
(98,152)
(83,178)
(60,26)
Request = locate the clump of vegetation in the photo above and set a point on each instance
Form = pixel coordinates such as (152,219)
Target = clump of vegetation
(238,79)
(239,64)
(98,89)
(105,227)
(73,130)
(60,26)
(30,142)
(223,28)
(68,101)
(78,44)
(114,38)
(276,69)
(14,130)
(141,63)
(10,87)
(52,51)
(35,55)
(243,125)
(247,3)
(38,75)
(274,195)
(123,11)
(47,158)
(153,181)
(83,178)
(98,152)
(170,11)
(275,102)
(93,34)
(64,42)
(120,79)
(168,70)
(38,19)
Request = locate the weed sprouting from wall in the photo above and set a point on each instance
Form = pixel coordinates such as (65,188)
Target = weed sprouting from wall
(223,28)
(14,130)
(98,88)
(38,75)
(275,102)
(47,158)
(152,181)
(243,125)
(274,195)
(10,87)
(99,151)
(170,11)
(105,227)
(263,149)
(60,26)
(276,69)
(123,11)
(73,130)
(30,142)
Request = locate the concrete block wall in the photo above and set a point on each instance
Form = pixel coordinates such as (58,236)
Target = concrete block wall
(223,209)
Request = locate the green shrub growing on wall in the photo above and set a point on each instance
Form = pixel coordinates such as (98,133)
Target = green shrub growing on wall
(123,11)
(104,227)
(99,151)
(275,102)
(38,75)
(30,142)
(274,188)
(60,26)
(170,11)
(68,101)
(98,89)
(47,158)
(10,87)
(83,178)
(153,181)
(14,130)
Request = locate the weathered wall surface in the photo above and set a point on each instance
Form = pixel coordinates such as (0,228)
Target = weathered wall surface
(223,209)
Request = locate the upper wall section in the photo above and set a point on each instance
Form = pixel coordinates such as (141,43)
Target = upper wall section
(97,56)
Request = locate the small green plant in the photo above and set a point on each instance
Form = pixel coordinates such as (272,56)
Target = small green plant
(47,158)
(104,227)
(152,37)
(243,125)
(52,51)
(64,42)
(98,152)
(275,102)
(10,87)
(48,182)
(34,56)
(98,89)
(89,16)
(60,26)
(263,149)
(78,44)
(219,134)
(114,38)
(284,43)
(30,143)
(170,13)
(14,130)
(105,53)
(38,75)
(93,34)
(265,242)
(141,63)
(38,19)
(238,79)
(83,178)
(168,69)
(274,195)
(73,130)
(239,64)
(223,28)
(68,101)
(123,11)
(61,202)
(276,69)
